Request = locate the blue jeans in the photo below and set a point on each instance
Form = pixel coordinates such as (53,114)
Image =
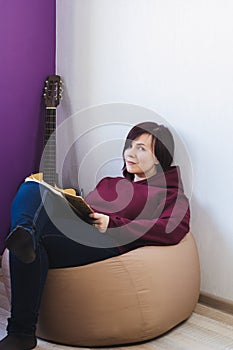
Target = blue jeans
(50,222)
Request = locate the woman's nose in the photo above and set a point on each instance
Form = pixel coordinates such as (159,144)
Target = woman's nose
(130,152)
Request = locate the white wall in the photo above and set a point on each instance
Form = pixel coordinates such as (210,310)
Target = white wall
(170,57)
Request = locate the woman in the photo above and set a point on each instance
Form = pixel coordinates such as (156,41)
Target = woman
(146,206)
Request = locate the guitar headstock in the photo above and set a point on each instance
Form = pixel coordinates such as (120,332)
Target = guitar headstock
(52,91)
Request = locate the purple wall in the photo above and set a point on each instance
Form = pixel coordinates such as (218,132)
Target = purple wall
(27,51)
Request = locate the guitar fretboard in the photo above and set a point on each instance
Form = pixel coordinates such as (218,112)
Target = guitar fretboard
(49,158)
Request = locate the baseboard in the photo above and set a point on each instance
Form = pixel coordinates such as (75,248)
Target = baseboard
(215,302)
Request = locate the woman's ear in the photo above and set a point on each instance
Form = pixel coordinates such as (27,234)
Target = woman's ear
(156,161)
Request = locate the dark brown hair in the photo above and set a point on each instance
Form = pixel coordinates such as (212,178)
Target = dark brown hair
(162,140)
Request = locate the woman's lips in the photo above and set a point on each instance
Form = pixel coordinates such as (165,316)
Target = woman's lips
(130,163)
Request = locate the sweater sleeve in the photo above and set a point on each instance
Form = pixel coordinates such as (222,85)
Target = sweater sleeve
(167,229)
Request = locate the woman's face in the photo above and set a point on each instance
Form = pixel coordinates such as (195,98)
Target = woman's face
(139,157)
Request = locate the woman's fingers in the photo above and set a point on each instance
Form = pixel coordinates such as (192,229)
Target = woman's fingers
(101,221)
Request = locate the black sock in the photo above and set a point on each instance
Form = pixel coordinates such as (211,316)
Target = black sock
(20,243)
(18,342)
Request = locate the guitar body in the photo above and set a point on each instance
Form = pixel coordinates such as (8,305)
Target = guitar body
(39,177)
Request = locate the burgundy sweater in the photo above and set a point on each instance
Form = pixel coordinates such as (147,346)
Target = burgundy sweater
(154,211)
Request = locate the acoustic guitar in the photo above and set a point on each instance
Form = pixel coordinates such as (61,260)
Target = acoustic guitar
(52,96)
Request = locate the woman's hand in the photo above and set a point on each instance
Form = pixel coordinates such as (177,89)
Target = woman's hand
(100,221)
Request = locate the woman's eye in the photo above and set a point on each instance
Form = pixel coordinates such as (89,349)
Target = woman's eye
(141,148)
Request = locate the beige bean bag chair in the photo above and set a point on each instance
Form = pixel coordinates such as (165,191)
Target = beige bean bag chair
(130,298)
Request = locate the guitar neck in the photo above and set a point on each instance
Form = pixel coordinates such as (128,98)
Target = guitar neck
(52,95)
(49,159)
